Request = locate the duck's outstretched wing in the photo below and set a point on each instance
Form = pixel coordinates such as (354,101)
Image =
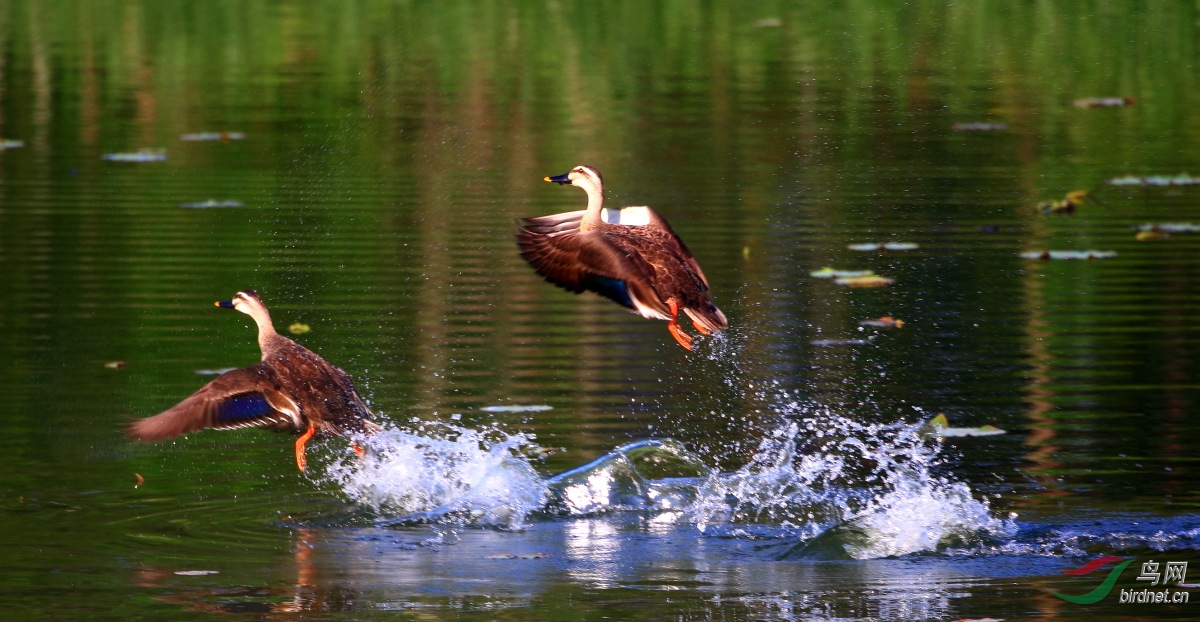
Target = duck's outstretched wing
(242,398)
(552,224)
(578,261)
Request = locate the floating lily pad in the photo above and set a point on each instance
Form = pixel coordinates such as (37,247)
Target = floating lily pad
(212,136)
(1103,102)
(979,126)
(940,426)
(299,328)
(1182,179)
(213,372)
(1089,255)
(211,203)
(830,273)
(543,452)
(517,408)
(1170,227)
(8,143)
(884,246)
(870,280)
(141,155)
(886,321)
(827,343)
(1065,205)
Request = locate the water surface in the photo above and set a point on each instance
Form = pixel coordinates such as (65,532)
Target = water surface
(364,166)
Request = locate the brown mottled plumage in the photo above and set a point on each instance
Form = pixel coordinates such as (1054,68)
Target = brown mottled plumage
(292,389)
(630,256)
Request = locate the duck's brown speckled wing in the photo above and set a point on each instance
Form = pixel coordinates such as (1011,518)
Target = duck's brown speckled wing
(243,398)
(667,237)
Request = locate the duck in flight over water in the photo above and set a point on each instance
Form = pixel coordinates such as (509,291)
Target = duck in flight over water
(291,389)
(630,256)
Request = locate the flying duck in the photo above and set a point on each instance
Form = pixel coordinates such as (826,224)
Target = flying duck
(630,256)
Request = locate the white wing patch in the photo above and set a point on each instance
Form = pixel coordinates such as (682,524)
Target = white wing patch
(260,423)
(646,311)
(629,216)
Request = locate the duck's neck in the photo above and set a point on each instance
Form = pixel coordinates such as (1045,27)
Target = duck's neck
(266,331)
(591,218)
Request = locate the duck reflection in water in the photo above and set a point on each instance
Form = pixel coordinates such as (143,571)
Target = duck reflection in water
(213,596)
(630,256)
(291,389)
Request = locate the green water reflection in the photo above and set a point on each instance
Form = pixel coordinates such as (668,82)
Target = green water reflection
(388,147)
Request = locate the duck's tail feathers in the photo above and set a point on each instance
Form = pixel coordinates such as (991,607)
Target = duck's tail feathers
(711,318)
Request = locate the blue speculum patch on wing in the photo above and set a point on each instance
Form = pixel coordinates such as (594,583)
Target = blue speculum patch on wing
(613,289)
(243,408)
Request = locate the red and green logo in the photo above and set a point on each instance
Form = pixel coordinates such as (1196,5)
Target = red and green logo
(1101,590)
(1156,575)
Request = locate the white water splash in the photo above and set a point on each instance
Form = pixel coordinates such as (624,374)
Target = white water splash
(446,474)
(870,488)
(820,479)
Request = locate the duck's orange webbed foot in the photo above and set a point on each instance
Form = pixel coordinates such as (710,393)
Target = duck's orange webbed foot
(699,327)
(683,338)
(358,449)
(301,461)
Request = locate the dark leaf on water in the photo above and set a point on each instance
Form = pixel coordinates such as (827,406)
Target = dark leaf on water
(979,126)
(1089,255)
(1065,205)
(884,246)
(872,280)
(886,321)
(940,426)
(212,136)
(830,273)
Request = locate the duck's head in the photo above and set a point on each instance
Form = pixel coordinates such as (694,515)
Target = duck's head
(585,177)
(247,301)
